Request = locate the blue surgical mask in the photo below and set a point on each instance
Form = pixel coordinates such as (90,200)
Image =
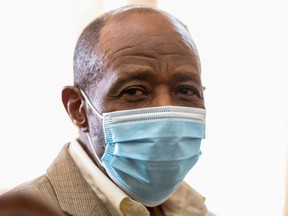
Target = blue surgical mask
(149,151)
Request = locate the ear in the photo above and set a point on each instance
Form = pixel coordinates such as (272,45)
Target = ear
(74,104)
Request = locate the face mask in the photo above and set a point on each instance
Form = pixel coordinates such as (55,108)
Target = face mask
(149,151)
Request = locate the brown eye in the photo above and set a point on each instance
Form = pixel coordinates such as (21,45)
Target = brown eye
(134,94)
(187,93)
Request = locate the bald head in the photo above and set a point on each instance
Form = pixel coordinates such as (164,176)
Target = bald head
(121,28)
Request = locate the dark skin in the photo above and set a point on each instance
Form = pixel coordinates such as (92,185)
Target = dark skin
(149,62)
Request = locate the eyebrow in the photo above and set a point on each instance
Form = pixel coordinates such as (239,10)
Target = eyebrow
(139,73)
(183,76)
(146,74)
(133,75)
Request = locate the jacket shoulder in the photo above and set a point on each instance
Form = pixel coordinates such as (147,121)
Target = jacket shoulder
(40,186)
(32,197)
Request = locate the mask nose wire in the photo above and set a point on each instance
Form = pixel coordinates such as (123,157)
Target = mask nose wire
(88,136)
(90,104)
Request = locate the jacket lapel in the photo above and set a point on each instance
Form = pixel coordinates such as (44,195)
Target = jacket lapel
(73,193)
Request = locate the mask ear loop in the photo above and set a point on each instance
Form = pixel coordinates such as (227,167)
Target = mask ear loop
(88,136)
(90,104)
(96,156)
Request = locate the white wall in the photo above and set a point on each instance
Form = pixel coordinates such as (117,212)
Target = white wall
(243,47)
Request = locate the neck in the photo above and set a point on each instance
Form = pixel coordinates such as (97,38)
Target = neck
(156,211)
(84,142)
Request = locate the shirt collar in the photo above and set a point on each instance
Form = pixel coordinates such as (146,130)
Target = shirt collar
(114,199)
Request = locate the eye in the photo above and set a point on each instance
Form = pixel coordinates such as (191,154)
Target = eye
(188,92)
(134,93)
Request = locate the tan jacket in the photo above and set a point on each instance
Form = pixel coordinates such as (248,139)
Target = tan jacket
(64,186)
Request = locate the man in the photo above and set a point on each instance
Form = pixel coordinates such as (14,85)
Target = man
(138,102)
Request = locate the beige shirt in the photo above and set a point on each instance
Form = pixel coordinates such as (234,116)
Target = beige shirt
(184,201)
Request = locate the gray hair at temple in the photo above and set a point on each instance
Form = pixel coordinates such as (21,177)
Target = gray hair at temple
(89,64)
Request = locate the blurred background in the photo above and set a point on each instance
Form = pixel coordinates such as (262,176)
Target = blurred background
(243,48)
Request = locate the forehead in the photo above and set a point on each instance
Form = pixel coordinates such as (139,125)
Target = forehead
(146,31)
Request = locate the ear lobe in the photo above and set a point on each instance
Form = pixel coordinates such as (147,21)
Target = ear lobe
(74,104)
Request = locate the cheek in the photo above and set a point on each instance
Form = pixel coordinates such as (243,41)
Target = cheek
(96,133)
